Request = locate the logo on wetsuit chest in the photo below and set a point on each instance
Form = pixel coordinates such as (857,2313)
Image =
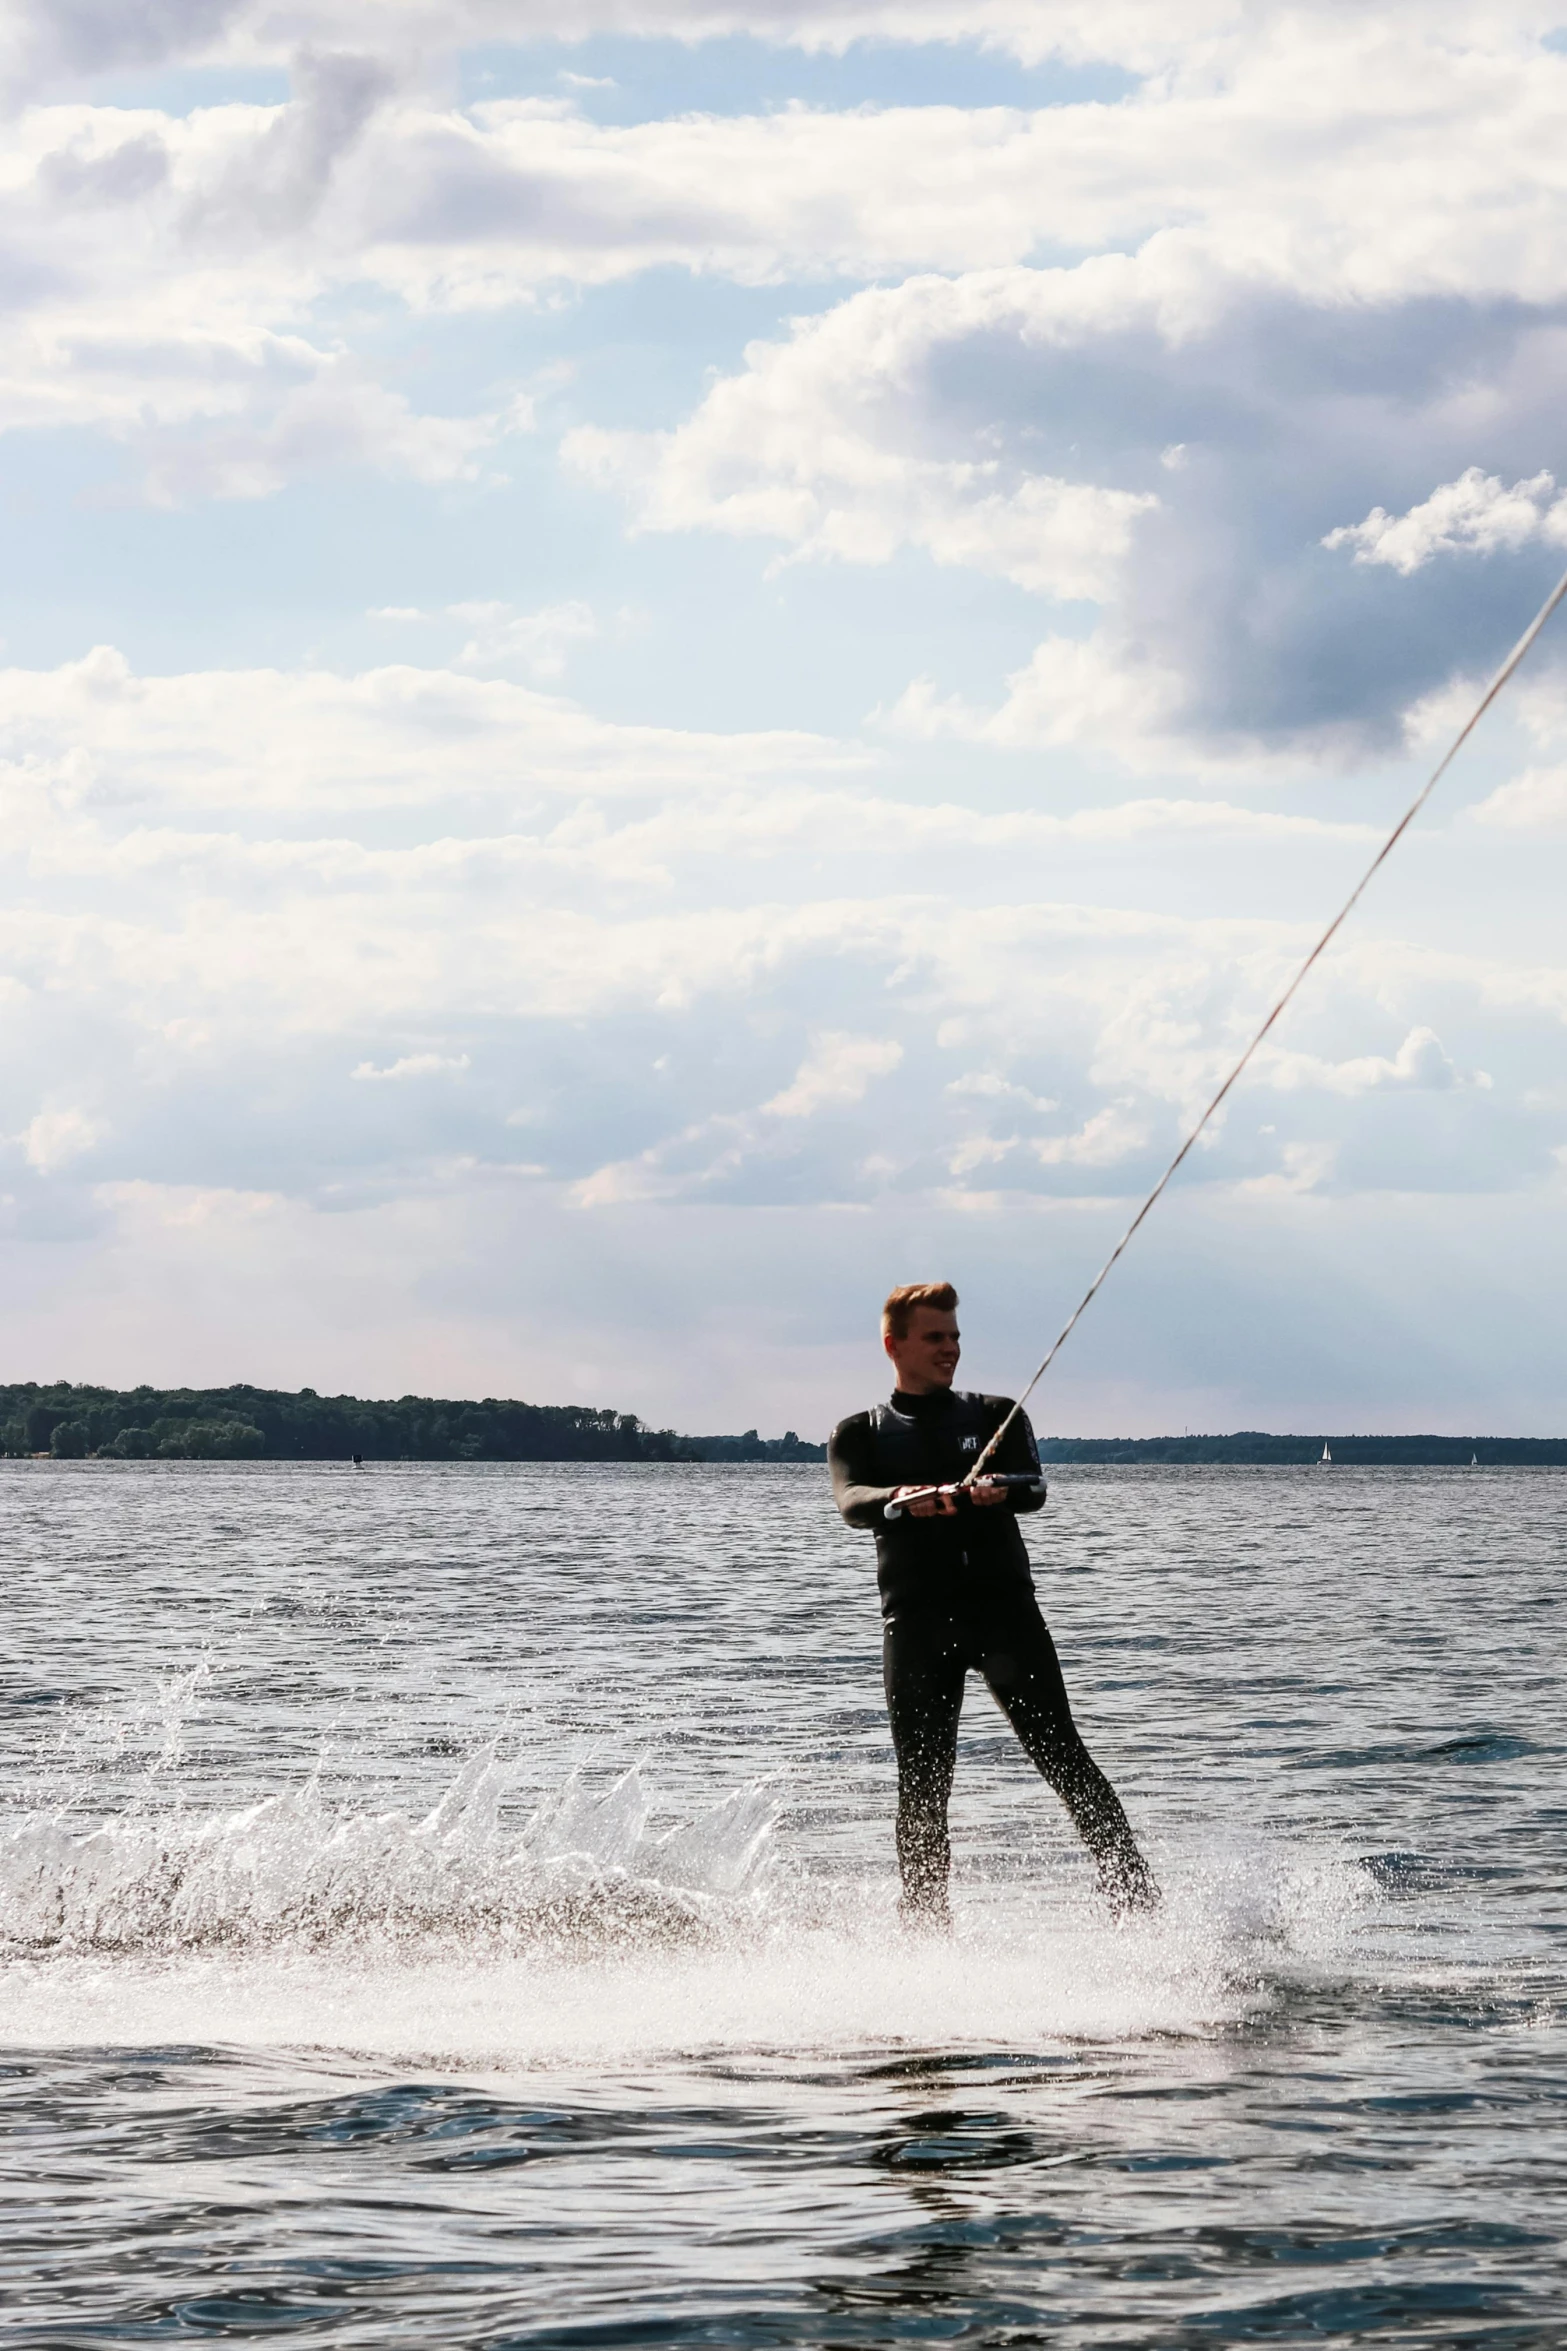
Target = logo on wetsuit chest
(968,1444)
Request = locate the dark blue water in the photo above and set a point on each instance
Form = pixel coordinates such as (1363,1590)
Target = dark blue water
(455,1907)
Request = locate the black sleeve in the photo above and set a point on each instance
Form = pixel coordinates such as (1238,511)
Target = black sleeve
(853,1469)
(1017,1455)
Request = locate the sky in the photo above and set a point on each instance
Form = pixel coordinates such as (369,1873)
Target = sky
(650,683)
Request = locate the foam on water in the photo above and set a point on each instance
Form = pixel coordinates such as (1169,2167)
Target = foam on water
(296,1870)
(453,1940)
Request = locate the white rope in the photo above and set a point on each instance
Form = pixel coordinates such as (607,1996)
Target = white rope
(1351,902)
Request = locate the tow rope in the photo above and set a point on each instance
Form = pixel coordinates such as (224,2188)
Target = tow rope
(1345,911)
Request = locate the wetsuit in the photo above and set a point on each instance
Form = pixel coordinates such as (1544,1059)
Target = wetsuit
(957,1596)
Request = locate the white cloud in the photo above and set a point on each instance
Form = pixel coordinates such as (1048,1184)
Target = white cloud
(901,833)
(782,1052)
(826,443)
(1077,690)
(1274,261)
(388,737)
(53,1138)
(612,889)
(161,276)
(1015,421)
(414,1065)
(539,641)
(1474,513)
(989,1084)
(837,1071)
(1534,802)
(505,638)
(831,493)
(1111,1135)
(111,35)
(44,40)
(977,1151)
(1303,1168)
(717,1152)
(1420,1061)
(1300,157)
(330,423)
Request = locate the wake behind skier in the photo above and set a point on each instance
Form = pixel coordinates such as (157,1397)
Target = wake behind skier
(957,1596)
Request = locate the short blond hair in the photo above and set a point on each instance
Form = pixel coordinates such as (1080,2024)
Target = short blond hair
(901,1304)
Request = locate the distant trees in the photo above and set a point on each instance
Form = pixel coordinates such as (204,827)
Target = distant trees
(196,1440)
(245,1423)
(131,1444)
(274,1424)
(751,1447)
(1256,1446)
(38,1426)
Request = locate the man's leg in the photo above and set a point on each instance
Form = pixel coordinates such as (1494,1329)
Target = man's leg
(1019,1662)
(923,1671)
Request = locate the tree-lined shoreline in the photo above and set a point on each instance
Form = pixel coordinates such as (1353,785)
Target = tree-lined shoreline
(73,1422)
(68,1421)
(1348,1452)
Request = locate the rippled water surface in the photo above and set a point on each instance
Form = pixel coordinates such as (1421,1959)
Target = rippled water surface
(454,1906)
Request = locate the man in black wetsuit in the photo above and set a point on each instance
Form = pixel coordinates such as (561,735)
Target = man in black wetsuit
(956,1596)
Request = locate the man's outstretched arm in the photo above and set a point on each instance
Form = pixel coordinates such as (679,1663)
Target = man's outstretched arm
(854,1488)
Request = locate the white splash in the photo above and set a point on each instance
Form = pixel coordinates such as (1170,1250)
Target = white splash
(294,1869)
(457,1941)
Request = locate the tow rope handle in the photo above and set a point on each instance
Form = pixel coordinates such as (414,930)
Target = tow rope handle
(962,1493)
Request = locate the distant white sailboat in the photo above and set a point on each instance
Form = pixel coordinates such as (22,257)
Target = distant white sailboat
(1474,1460)
(1326,1456)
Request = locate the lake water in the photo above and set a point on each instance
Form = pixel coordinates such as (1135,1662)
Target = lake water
(454,1906)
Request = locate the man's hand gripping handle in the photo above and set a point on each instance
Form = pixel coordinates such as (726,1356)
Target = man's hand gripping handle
(946,1501)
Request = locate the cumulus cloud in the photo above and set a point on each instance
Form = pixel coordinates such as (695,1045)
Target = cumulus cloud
(837,1071)
(361,175)
(990,1085)
(1474,514)
(161,276)
(538,641)
(53,1138)
(1227,625)
(1291,264)
(505,638)
(45,39)
(620,1045)
(274,182)
(1408,160)
(330,423)
(1534,802)
(388,737)
(1110,1136)
(1302,1168)
(728,1151)
(613,889)
(1419,1061)
(1085,1032)
(414,1065)
(855,496)
(1071,690)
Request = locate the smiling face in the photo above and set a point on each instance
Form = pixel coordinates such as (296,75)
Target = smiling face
(927,1357)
